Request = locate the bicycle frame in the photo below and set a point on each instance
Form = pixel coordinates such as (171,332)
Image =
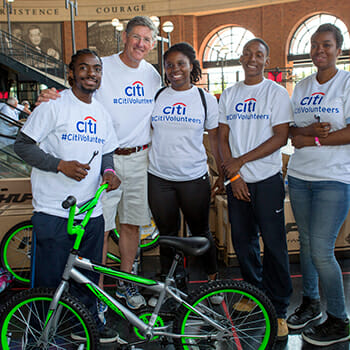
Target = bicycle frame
(76,262)
(163,289)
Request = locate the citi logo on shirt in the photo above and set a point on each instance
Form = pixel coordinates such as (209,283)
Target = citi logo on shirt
(247,105)
(87,126)
(315,99)
(176,108)
(136,89)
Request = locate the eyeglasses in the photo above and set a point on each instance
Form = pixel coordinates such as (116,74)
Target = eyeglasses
(146,41)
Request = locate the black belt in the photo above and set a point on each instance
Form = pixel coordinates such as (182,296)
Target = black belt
(130,150)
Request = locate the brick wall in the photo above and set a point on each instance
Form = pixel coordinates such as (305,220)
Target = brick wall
(274,23)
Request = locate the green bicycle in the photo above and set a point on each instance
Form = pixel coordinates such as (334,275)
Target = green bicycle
(43,318)
(15,248)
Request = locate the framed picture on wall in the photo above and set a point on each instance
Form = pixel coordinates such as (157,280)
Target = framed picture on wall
(44,37)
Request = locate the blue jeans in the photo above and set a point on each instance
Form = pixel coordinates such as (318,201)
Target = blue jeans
(50,249)
(320,208)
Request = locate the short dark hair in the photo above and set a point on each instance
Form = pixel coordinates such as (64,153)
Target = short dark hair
(328,27)
(142,21)
(76,56)
(259,40)
(187,50)
(33,26)
(80,53)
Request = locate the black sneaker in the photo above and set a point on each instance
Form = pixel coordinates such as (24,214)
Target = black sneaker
(308,311)
(333,330)
(107,335)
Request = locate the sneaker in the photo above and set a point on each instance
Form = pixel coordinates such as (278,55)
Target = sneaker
(331,331)
(107,335)
(282,329)
(244,305)
(101,309)
(133,298)
(308,311)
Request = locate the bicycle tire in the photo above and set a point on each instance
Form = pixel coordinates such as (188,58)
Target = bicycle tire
(254,329)
(24,315)
(147,241)
(15,249)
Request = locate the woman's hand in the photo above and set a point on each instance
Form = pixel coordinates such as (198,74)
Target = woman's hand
(232,166)
(300,141)
(240,190)
(217,188)
(320,129)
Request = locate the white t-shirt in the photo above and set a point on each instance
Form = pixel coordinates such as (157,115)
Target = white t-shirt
(7,128)
(177,152)
(128,95)
(330,101)
(69,129)
(251,111)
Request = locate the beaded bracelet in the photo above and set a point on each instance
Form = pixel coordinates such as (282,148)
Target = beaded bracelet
(111,170)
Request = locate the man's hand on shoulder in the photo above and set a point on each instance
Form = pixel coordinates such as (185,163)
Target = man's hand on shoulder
(47,95)
(112,180)
(73,169)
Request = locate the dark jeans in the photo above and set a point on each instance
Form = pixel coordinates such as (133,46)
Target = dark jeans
(264,214)
(166,198)
(50,249)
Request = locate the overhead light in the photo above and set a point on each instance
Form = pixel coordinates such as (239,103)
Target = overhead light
(155,20)
(168,27)
(115,22)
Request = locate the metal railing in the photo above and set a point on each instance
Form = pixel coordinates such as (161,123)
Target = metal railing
(29,55)
(11,165)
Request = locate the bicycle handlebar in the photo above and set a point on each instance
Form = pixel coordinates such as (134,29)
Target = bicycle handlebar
(71,203)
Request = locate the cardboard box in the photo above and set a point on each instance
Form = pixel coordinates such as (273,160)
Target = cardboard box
(221,224)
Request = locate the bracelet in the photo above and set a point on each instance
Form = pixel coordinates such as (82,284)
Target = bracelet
(317,142)
(111,170)
(233,179)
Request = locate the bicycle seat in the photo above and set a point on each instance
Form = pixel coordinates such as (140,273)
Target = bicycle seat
(194,246)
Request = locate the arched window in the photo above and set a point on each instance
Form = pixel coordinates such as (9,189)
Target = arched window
(221,57)
(299,48)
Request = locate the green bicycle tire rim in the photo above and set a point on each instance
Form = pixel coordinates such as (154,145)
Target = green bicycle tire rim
(8,267)
(266,316)
(4,340)
(142,245)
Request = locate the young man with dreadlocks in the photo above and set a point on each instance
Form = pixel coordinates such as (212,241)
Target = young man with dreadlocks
(58,141)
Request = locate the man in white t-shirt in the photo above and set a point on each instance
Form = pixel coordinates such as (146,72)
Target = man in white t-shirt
(127,92)
(8,109)
(58,141)
(253,126)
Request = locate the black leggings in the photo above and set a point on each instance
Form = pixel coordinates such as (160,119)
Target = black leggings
(193,198)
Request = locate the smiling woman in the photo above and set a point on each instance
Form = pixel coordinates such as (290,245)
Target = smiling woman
(178,176)
(319,186)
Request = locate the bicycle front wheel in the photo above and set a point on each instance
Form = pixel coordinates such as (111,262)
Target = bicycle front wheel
(239,316)
(15,250)
(25,315)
